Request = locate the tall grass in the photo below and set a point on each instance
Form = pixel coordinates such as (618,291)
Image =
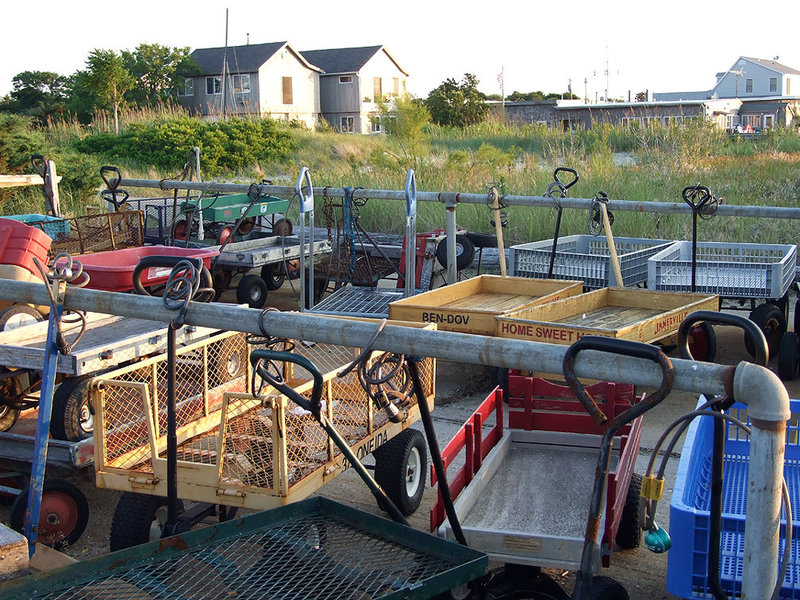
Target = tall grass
(658,163)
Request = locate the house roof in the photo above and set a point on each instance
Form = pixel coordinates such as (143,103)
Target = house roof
(346,60)
(775,66)
(241,59)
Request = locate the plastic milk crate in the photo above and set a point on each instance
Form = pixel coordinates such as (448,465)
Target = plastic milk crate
(689,509)
(725,269)
(586,258)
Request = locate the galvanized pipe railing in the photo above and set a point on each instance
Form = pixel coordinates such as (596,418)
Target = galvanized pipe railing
(727,210)
(756,386)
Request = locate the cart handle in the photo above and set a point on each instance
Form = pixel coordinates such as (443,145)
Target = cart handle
(39,165)
(626,348)
(411,193)
(113,183)
(306,199)
(708,316)
(146,262)
(572,172)
(700,200)
(312,405)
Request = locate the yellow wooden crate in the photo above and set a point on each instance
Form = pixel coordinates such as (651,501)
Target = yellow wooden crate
(471,306)
(624,313)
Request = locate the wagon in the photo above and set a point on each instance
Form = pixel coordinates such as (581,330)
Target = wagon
(512,495)
(236,449)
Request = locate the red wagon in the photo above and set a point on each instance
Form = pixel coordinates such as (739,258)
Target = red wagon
(113,271)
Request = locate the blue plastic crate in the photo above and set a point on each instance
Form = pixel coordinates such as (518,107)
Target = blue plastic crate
(689,509)
(52,226)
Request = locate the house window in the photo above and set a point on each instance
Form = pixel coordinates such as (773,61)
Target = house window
(375,124)
(748,86)
(186,88)
(773,84)
(287,90)
(377,89)
(345,79)
(347,124)
(241,84)
(213,85)
(769,121)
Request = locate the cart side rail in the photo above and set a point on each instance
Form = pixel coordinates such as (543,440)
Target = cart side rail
(476,446)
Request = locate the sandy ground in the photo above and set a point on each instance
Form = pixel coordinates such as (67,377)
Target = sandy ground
(459,389)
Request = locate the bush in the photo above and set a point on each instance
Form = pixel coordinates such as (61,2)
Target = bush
(231,145)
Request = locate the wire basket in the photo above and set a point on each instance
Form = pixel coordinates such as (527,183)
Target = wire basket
(585,258)
(55,227)
(725,269)
(96,233)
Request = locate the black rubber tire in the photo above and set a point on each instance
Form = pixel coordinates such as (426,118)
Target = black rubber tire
(703,342)
(72,419)
(482,240)
(465,252)
(788,355)
(500,379)
(63,516)
(18,315)
(400,461)
(252,290)
(221,279)
(9,388)
(772,321)
(629,533)
(273,274)
(178,232)
(136,520)
(797,316)
(14,482)
(607,588)
(224,234)
(320,287)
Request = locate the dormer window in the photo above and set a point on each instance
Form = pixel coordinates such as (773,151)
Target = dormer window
(345,79)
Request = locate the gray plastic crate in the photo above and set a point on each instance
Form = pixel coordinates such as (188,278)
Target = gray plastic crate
(726,269)
(586,258)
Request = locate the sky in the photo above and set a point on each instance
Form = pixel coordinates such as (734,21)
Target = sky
(621,46)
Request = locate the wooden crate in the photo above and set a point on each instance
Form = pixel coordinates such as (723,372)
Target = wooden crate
(471,306)
(639,315)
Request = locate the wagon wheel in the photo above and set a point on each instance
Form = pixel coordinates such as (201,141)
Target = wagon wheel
(73,417)
(703,342)
(788,356)
(18,315)
(772,321)
(274,275)
(10,389)
(247,225)
(252,290)
(63,515)
(629,533)
(138,519)
(229,361)
(400,466)
(221,281)
(606,588)
(224,234)
(180,230)
(465,252)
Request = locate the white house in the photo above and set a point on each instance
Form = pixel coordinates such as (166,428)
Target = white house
(353,83)
(271,80)
(756,78)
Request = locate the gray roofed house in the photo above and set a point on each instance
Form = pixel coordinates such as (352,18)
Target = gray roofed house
(271,80)
(353,84)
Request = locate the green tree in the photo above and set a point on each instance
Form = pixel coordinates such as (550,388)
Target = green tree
(37,94)
(158,70)
(404,122)
(640,97)
(110,81)
(457,104)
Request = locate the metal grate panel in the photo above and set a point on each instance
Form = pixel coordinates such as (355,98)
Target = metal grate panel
(303,555)
(359,302)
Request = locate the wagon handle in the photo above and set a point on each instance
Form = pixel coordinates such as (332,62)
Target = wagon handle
(39,165)
(708,316)
(626,348)
(312,405)
(572,172)
(113,183)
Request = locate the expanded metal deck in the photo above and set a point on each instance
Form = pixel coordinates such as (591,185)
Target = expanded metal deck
(353,301)
(299,552)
